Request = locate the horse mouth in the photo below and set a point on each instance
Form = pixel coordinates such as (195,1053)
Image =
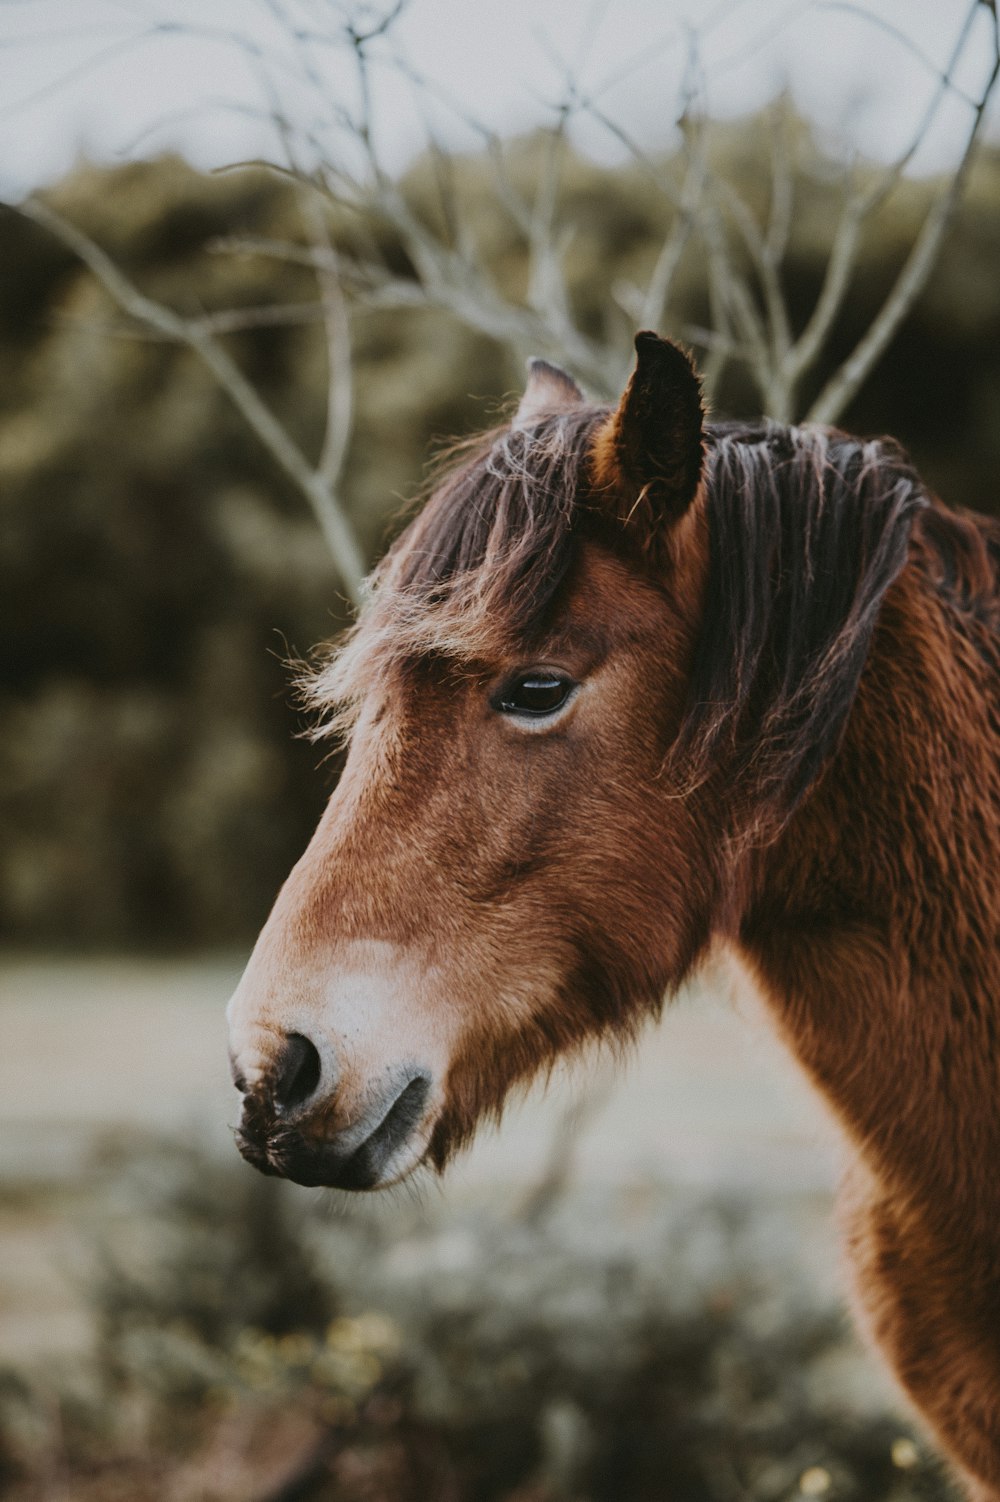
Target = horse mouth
(384,1156)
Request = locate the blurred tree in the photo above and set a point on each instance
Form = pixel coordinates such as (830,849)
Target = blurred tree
(153,563)
(370,243)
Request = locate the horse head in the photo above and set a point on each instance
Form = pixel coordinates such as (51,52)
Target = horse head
(506,867)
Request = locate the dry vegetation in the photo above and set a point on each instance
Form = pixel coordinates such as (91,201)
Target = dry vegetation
(250,1349)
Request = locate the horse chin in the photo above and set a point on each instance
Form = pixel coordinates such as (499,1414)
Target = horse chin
(316,1165)
(360,1159)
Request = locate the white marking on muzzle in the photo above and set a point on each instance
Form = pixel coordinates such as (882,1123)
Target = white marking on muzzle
(370,1011)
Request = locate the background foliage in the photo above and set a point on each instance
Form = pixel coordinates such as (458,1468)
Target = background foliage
(156,568)
(248,1352)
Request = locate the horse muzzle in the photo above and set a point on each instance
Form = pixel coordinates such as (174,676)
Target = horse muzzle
(284,1128)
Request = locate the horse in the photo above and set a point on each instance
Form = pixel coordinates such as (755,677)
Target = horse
(633,686)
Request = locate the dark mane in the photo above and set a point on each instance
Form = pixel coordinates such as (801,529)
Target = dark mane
(961,556)
(508,515)
(808,528)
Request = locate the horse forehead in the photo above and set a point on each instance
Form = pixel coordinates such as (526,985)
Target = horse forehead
(603,579)
(610,599)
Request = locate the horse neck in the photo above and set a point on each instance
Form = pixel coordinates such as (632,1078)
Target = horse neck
(873,929)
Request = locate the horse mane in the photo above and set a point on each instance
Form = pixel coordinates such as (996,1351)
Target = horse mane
(505,521)
(961,557)
(807,530)
(808,527)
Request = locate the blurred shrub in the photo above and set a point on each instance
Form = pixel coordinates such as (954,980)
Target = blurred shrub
(154,565)
(245,1352)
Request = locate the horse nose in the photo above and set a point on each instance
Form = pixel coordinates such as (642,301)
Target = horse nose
(297,1073)
(364,1154)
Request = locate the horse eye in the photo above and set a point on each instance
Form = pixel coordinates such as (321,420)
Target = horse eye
(535,694)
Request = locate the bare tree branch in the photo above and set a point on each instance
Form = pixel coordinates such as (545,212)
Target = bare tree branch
(858,207)
(224,321)
(917,267)
(862,12)
(192,333)
(782,189)
(653,308)
(335,158)
(78,70)
(771,337)
(340,383)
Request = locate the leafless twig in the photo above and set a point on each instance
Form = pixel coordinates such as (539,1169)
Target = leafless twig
(203,342)
(335,156)
(916,269)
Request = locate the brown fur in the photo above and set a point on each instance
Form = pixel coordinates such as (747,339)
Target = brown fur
(785,739)
(873,926)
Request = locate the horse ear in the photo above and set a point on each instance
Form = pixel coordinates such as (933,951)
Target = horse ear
(651,452)
(549,390)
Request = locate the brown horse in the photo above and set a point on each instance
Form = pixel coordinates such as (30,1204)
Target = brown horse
(629,687)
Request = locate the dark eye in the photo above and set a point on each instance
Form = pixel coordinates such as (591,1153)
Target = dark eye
(534,694)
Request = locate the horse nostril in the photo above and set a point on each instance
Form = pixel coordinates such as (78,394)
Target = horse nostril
(298,1073)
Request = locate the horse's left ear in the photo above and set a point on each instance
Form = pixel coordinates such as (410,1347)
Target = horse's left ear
(549,390)
(650,454)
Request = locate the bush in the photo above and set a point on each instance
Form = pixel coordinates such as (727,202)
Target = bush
(248,1349)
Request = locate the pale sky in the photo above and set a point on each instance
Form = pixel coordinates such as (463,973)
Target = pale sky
(115,79)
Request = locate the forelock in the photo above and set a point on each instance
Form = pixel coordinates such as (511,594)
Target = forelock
(477,570)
